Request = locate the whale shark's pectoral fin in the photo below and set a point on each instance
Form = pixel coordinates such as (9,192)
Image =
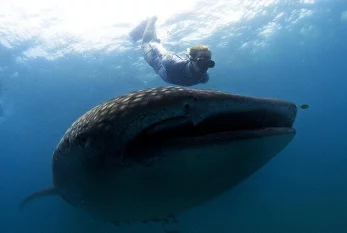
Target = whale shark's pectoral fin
(42,193)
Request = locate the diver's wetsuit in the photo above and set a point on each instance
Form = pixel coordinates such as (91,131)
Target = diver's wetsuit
(171,67)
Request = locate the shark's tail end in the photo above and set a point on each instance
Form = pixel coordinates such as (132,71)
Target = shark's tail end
(42,193)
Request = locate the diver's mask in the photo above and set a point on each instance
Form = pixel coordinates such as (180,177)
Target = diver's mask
(203,62)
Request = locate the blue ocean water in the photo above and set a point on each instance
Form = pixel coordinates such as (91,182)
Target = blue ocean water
(296,50)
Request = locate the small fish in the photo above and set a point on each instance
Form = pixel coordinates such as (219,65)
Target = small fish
(304,106)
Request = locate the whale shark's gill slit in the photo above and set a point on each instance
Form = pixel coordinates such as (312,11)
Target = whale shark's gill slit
(163,130)
(171,127)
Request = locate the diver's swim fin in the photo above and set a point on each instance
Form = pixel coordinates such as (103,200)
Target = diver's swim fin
(46,192)
(137,33)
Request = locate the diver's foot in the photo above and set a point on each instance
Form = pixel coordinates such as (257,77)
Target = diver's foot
(137,33)
(153,19)
(150,32)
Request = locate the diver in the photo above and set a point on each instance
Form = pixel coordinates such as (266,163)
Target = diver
(171,67)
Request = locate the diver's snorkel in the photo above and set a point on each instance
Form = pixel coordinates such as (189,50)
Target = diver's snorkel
(203,62)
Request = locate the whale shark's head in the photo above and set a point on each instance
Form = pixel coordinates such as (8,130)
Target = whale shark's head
(159,151)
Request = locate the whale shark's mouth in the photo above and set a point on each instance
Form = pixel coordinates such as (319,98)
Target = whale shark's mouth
(235,123)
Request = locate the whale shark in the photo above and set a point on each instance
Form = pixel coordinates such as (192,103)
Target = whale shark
(157,152)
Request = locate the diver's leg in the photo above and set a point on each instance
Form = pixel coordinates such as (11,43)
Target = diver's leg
(154,53)
(150,31)
(152,50)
